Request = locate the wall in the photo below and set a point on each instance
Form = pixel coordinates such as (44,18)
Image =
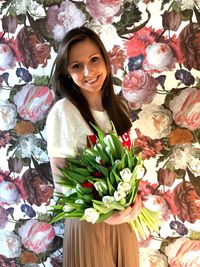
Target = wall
(154,48)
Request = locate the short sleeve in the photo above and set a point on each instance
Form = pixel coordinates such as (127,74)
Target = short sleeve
(61,140)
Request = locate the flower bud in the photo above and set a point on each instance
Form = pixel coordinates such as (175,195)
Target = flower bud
(9,24)
(67,208)
(171,20)
(101,186)
(15,165)
(166,177)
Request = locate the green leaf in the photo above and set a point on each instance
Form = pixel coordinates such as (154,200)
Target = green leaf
(116,206)
(101,208)
(117,145)
(58,217)
(83,190)
(104,216)
(111,189)
(117,178)
(103,155)
(100,133)
(76,176)
(41,80)
(130,15)
(48,3)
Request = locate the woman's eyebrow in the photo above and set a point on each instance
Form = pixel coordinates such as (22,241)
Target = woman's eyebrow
(76,61)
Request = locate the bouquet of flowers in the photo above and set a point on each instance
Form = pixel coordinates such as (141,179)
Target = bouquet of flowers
(103,179)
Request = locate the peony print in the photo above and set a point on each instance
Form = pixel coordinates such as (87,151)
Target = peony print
(185,108)
(36,236)
(33,102)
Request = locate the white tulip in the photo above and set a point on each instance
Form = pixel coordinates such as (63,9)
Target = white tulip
(91,215)
(119,195)
(126,175)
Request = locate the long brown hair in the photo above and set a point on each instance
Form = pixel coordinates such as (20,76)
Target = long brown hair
(65,87)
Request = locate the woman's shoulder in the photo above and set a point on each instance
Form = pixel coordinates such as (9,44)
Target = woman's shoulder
(62,106)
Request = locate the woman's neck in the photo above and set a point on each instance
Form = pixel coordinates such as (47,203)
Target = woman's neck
(95,102)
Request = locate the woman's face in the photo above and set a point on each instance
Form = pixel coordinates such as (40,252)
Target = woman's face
(87,67)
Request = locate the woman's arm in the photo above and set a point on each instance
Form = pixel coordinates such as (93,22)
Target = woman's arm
(126,215)
(57,163)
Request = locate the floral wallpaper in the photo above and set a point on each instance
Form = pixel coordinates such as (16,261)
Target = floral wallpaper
(154,48)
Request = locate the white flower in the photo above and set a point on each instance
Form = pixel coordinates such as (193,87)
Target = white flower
(119,195)
(108,200)
(101,186)
(126,175)
(106,32)
(195,165)
(79,201)
(124,186)
(10,244)
(68,190)
(8,192)
(150,257)
(108,140)
(69,17)
(98,159)
(7,58)
(67,208)
(140,171)
(181,156)
(98,145)
(159,56)
(91,215)
(8,114)
(188,4)
(40,155)
(158,120)
(22,6)
(26,146)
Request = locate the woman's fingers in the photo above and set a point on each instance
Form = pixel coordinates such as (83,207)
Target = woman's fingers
(130,213)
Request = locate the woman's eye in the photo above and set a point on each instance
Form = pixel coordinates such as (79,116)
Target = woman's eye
(94,59)
(76,66)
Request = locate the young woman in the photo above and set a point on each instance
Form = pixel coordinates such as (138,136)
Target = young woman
(83,84)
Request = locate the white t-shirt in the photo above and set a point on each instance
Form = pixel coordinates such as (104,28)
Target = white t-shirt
(67,131)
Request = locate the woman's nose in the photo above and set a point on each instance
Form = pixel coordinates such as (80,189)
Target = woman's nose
(87,70)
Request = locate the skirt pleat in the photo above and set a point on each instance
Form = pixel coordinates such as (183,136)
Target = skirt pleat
(99,245)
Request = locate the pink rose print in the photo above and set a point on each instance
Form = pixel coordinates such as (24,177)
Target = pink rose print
(36,236)
(103,10)
(33,102)
(138,88)
(186,108)
(183,252)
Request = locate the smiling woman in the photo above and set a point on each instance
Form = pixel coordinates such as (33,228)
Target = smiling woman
(88,88)
(154,50)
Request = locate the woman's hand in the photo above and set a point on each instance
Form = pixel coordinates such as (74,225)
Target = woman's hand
(129,214)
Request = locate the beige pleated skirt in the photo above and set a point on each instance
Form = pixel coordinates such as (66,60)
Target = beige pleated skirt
(99,245)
